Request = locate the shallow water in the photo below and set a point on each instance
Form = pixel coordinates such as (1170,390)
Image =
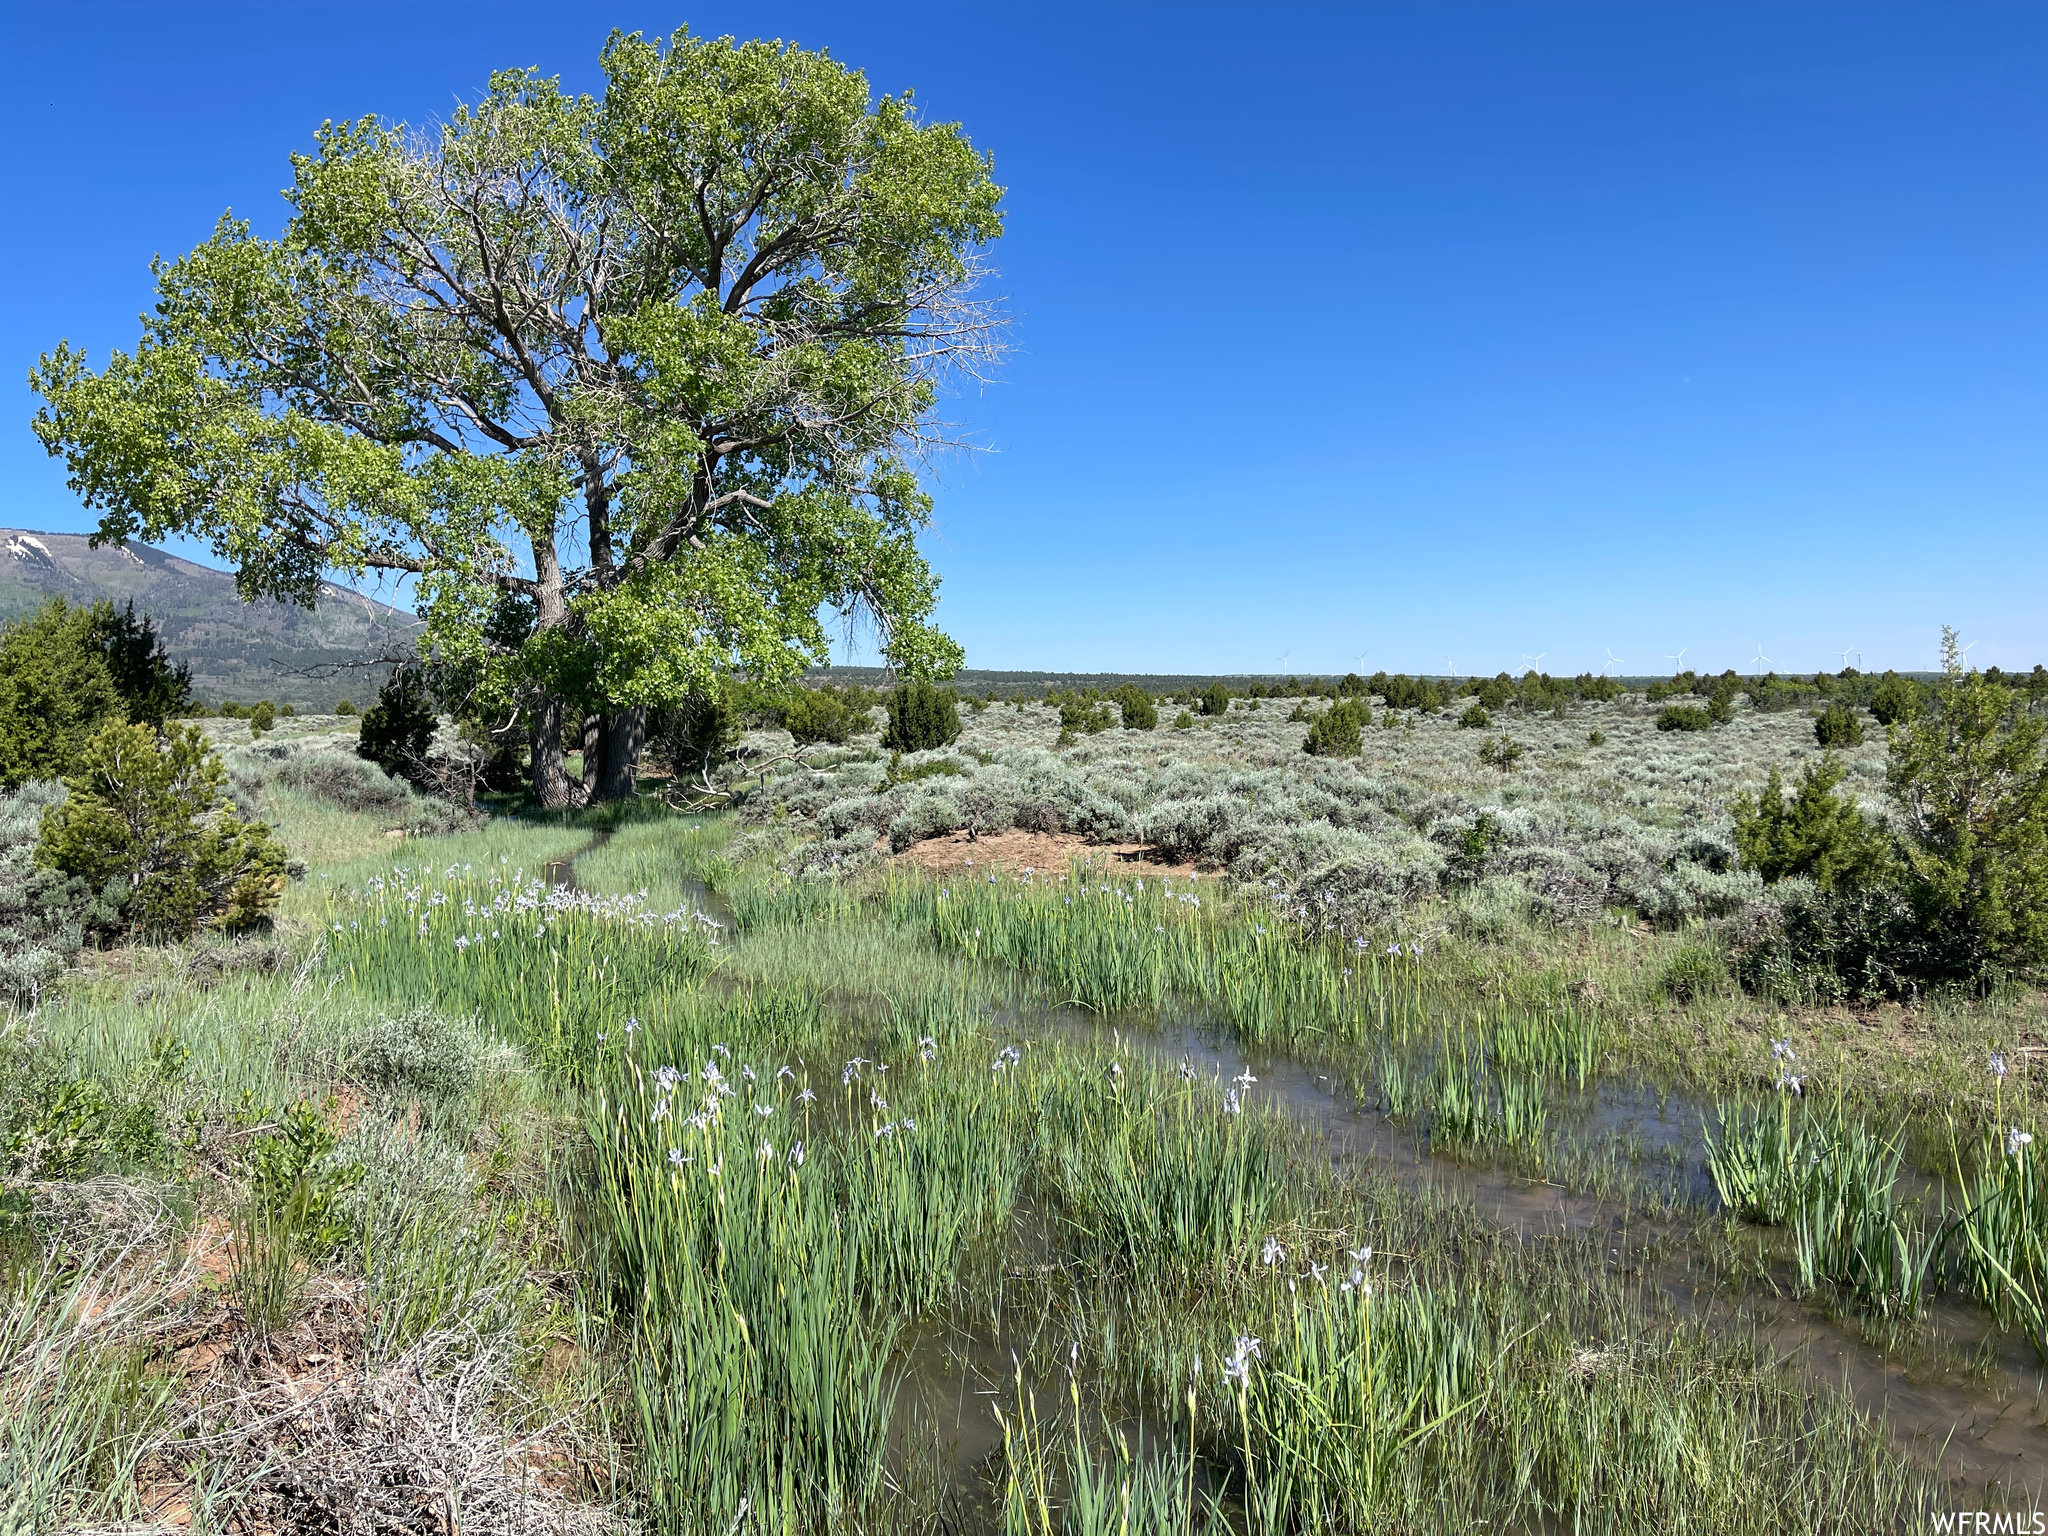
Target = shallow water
(1985,1432)
(697,896)
(953,1388)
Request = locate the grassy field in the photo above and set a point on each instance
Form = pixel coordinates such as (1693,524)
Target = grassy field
(693,1192)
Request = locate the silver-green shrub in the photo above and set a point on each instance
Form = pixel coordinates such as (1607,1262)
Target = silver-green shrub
(424,1058)
(328,769)
(1643,824)
(406,1174)
(44,914)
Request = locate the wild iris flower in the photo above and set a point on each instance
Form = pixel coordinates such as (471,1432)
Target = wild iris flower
(1238,1366)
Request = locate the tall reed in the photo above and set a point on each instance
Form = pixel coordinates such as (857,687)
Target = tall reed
(1836,1184)
(547,966)
(1145,943)
(761,1386)
(1998,1241)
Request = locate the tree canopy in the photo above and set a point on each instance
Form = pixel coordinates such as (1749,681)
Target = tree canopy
(1969,774)
(66,671)
(632,387)
(55,692)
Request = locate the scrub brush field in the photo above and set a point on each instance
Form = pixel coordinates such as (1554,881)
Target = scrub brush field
(622,1172)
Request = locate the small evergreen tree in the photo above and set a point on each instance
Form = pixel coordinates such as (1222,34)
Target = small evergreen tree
(397,729)
(1837,726)
(813,715)
(1683,717)
(1215,700)
(55,692)
(151,686)
(1473,846)
(1475,718)
(1081,712)
(1816,833)
(1602,689)
(1501,752)
(1139,712)
(1894,700)
(1970,778)
(1339,730)
(922,717)
(145,823)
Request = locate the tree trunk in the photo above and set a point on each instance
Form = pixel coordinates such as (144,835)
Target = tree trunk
(624,734)
(550,768)
(551,786)
(594,741)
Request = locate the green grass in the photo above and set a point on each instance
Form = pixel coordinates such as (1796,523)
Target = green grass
(320,832)
(1833,1183)
(79,1408)
(1156,1204)
(665,856)
(554,970)
(708,1203)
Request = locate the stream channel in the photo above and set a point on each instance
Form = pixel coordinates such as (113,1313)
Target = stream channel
(1983,1432)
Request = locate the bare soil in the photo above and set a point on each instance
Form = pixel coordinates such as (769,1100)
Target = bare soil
(1039,852)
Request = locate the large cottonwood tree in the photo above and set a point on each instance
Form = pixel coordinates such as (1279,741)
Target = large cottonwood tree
(633,387)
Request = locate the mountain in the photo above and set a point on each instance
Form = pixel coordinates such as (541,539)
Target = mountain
(237,650)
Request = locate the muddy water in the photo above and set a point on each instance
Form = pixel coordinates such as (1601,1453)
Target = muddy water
(1319,1096)
(1986,1432)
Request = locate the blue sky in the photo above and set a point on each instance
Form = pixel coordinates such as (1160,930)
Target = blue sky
(1420,331)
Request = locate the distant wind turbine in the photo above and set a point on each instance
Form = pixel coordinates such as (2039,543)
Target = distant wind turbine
(1759,656)
(1613,661)
(1359,659)
(1675,660)
(1532,660)
(1451,667)
(1845,652)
